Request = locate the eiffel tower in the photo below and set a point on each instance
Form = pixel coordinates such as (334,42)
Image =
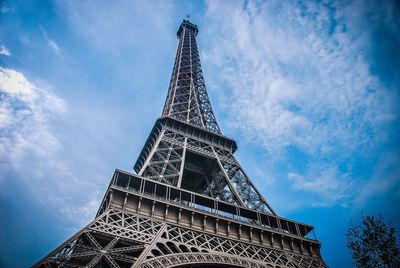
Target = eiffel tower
(189,202)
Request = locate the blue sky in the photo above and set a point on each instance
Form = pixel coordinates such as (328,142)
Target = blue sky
(309,90)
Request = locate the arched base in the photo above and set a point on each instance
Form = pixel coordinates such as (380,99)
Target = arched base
(203,260)
(206,266)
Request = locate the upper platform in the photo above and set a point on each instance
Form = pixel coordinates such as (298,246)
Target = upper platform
(186,24)
(188,130)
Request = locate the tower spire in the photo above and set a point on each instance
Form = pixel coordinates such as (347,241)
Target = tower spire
(187,98)
(196,163)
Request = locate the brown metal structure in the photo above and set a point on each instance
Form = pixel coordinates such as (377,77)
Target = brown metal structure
(190,203)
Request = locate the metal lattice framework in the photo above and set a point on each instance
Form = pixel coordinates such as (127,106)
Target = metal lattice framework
(119,239)
(190,203)
(243,250)
(194,258)
(187,98)
(115,239)
(223,177)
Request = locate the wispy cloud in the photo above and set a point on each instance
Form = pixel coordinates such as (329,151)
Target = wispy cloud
(4,51)
(324,181)
(25,110)
(299,75)
(54,46)
(59,174)
(26,137)
(51,43)
(4,9)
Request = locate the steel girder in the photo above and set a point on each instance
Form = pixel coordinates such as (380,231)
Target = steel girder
(172,154)
(114,239)
(118,238)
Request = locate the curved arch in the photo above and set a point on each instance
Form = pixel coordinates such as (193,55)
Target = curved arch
(184,248)
(156,252)
(193,249)
(203,260)
(206,266)
(173,247)
(163,248)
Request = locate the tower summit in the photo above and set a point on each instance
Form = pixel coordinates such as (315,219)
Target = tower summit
(190,203)
(187,98)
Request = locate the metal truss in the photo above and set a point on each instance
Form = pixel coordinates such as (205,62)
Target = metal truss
(114,239)
(192,259)
(248,193)
(165,162)
(187,98)
(173,153)
(212,243)
(121,239)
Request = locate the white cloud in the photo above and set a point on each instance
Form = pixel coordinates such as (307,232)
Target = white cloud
(51,43)
(298,76)
(60,160)
(27,140)
(16,86)
(4,51)
(80,214)
(54,46)
(301,82)
(324,181)
(24,113)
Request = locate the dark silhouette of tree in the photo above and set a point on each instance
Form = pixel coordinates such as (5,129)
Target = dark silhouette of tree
(373,243)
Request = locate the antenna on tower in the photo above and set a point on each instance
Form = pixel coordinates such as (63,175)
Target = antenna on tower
(187,18)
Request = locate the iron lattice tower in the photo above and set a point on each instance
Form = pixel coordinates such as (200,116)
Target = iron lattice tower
(190,203)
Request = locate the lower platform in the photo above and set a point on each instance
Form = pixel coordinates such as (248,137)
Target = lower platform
(117,238)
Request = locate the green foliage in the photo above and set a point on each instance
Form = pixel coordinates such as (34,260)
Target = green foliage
(373,243)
